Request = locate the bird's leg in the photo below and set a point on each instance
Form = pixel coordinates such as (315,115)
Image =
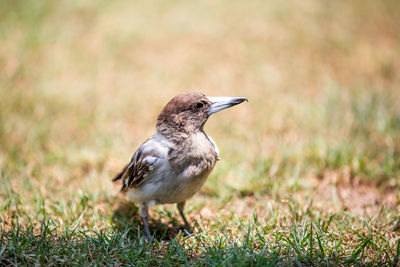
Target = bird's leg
(143,212)
(181,206)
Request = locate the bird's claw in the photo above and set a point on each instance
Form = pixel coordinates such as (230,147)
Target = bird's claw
(186,231)
(147,238)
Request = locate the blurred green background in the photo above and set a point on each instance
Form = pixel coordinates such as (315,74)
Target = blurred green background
(82,82)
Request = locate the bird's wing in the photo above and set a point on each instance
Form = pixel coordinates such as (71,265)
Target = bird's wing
(143,163)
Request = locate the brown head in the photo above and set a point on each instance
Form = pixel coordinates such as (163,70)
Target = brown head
(188,112)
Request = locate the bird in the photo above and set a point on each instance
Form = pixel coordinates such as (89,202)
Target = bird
(173,164)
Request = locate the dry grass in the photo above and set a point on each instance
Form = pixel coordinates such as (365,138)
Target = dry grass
(81,84)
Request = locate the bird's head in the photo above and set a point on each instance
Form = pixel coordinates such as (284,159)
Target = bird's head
(188,112)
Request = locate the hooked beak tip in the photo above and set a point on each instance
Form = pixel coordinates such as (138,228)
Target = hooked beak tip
(221,103)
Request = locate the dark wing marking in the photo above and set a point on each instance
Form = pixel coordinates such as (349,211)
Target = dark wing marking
(142,164)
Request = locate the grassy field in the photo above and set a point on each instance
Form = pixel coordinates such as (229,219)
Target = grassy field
(310,167)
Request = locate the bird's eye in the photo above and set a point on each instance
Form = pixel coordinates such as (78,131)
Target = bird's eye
(199,105)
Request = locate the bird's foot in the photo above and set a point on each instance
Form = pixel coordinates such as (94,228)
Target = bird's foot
(147,238)
(187,231)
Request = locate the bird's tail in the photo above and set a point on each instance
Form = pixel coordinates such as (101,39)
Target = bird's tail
(119,175)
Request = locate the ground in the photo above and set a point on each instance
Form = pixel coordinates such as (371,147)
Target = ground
(310,166)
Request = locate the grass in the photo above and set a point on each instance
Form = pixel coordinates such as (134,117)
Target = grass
(310,167)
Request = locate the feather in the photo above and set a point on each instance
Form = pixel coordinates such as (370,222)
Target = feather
(143,163)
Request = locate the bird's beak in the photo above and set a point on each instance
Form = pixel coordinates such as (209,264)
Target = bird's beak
(220,103)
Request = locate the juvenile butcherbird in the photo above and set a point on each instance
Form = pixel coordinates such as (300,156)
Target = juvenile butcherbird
(173,164)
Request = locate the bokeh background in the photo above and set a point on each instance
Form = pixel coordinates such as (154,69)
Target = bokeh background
(82,82)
